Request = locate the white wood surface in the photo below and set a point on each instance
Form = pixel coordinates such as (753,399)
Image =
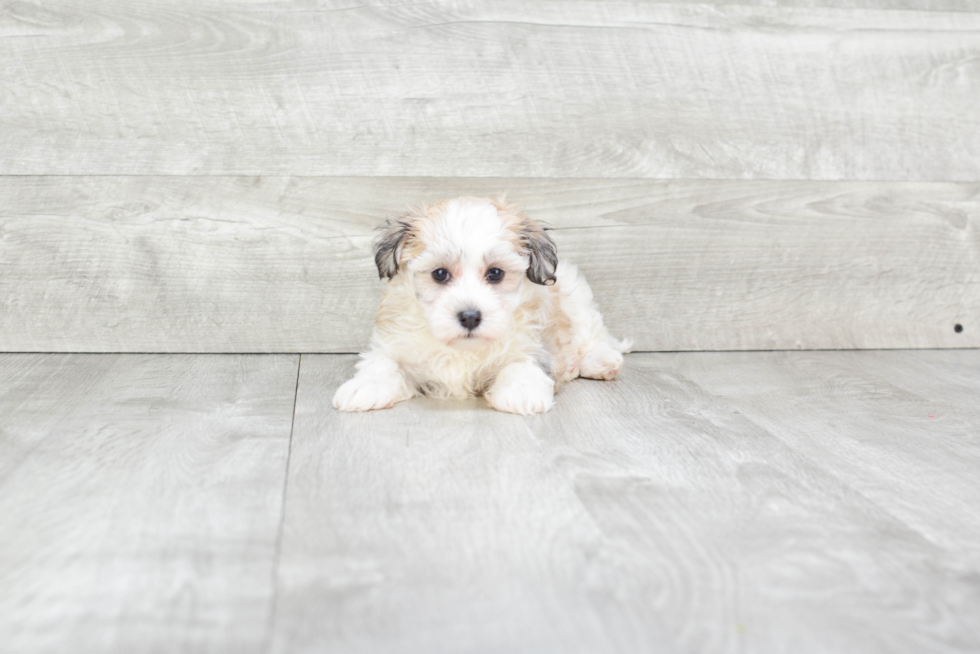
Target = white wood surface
(784,505)
(745,502)
(205,175)
(509,88)
(906,5)
(271,264)
(908,426)
(140,500)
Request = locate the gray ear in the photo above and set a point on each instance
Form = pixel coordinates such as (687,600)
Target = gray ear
(543,253)
(388,247)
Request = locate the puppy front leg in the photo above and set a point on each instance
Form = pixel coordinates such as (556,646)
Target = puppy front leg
(378,384)
(522,387)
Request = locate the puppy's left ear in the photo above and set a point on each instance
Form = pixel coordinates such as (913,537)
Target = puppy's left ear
(542,252)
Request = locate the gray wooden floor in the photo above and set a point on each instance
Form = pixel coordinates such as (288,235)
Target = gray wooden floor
(715,502)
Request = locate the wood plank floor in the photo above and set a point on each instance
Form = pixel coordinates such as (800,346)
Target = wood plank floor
(723,502)
(140,498)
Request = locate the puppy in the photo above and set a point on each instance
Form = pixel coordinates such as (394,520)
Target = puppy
(477,303)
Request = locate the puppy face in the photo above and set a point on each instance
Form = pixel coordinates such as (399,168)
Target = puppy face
(467,261)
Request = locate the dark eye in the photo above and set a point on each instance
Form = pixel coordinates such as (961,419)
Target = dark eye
(494,275)
(441,275)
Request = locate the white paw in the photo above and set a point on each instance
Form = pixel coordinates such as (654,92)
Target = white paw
(601,363)
(366,393)
(522,388)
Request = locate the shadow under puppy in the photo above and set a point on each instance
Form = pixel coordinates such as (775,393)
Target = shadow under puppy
(477,303)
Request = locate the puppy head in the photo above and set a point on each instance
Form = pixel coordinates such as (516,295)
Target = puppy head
(467,260)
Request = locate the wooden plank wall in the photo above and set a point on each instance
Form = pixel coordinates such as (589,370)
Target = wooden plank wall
(204,176)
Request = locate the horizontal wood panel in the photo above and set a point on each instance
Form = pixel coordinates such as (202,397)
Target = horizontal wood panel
(141,500)
(901,5)
(284,264)
(38,14)
(548,89)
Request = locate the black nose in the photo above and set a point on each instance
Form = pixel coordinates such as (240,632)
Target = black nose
(469,318)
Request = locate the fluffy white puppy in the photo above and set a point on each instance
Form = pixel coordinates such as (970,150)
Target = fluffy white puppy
(477,303)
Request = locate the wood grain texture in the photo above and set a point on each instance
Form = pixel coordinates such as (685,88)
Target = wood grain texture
(510,88)
(140,500)
(35,13)
(273,264)
(901,428)
(899,5)
(647,514)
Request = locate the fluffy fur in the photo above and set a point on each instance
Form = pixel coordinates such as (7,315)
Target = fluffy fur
(538,325)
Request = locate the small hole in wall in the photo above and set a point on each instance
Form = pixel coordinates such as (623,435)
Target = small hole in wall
(958,328)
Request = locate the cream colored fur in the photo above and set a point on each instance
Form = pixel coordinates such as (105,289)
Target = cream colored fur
(531,339)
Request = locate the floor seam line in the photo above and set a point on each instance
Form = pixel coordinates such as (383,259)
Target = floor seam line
(273,613)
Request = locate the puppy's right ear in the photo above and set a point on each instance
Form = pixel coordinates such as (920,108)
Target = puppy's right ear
(388,247)
(396,235)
